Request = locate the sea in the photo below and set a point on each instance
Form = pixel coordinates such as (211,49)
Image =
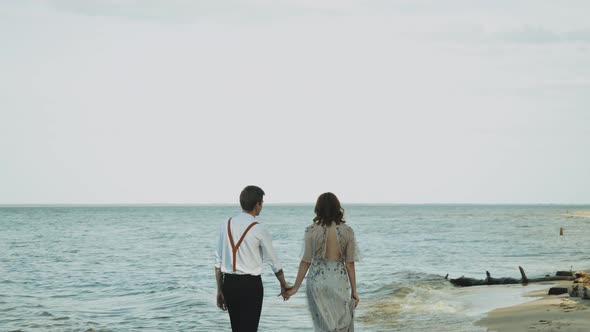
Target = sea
(151,268)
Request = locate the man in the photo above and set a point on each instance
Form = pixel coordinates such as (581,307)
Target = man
(242,246)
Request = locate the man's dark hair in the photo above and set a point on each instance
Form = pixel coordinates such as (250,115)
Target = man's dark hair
(250,196)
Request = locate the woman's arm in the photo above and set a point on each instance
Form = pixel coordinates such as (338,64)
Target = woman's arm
(352,278)
(303,267)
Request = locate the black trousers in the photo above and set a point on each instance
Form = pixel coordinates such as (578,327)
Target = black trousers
(243,296)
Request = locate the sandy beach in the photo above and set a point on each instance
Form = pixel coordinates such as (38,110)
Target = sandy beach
(548,313)
(576,214)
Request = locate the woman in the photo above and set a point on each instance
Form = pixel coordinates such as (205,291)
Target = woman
(329,254)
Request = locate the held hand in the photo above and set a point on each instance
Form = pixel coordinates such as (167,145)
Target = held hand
(221,301)
(284,291)
(356,299)
(291,291)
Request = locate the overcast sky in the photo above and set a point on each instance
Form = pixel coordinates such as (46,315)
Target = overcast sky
(182,101)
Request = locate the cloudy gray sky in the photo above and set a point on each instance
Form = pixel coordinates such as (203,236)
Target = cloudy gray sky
(179,101)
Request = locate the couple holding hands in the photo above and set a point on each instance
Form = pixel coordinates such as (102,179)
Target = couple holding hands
(330,251)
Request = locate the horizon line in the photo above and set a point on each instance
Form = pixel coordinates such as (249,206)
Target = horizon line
(277,204)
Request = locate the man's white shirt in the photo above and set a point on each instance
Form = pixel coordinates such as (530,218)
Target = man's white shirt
(254,250)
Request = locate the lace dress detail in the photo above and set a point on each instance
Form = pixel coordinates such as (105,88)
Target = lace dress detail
(328,287)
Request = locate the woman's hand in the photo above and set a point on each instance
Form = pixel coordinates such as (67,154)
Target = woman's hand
(291,291)
(355,296)
(283,292)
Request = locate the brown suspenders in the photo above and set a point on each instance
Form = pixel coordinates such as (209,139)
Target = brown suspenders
(234,248)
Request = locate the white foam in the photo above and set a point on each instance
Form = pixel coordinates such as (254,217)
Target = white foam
(482,299)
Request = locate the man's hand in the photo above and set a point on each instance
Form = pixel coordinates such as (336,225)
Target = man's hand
(221,301)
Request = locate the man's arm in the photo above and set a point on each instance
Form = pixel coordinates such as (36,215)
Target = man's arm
(220,298)
(268,251)
(269,255)
(218,274)
(281,277)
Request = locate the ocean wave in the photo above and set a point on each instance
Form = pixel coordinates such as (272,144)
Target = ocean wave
(409,296)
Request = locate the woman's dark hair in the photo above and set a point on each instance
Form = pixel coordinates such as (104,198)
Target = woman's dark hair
(250,196)
(328,210)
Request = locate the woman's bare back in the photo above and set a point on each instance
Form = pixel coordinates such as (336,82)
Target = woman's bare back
(332,244)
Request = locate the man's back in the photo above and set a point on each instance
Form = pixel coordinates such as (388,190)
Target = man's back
(252,251)
(242,246)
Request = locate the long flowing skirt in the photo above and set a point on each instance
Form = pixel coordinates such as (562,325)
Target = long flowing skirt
(329,296)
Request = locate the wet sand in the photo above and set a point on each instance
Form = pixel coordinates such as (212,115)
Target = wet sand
(549,313)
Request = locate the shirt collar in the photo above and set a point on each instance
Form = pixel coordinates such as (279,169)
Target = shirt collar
(247,216)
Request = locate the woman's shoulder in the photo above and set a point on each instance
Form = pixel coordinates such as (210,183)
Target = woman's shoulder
(345,228)
(311,228)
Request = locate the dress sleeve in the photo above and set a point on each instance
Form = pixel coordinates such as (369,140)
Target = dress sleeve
(307,246)
(352,250)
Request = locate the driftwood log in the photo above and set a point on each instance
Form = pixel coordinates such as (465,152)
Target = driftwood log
(467,282)
(581,286)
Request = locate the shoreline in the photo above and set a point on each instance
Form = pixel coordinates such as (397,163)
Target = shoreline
(576,214)
(547,313)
